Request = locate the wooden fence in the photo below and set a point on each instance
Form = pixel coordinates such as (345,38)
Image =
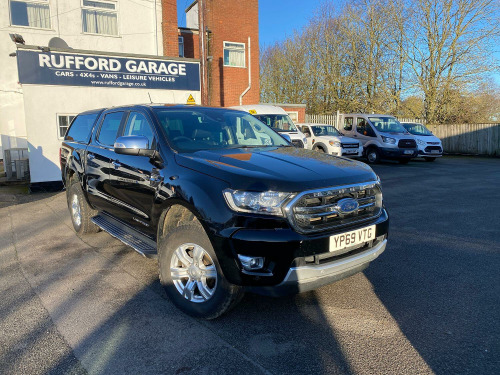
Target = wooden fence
(475,139)
(321,119)
(480,139)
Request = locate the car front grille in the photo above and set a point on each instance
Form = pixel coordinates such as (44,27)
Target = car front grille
(407,143)
(298,143)
(349,145)
(317,210)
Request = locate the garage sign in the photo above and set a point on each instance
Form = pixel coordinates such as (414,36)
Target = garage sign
(68,69)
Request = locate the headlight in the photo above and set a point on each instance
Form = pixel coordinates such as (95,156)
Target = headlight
(305,141)
(335,143)
(267,202)
(390,140)
(420,142)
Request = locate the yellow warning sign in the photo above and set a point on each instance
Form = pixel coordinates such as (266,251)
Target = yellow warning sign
(252,112)
(191,100)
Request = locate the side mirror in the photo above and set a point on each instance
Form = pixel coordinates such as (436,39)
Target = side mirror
(287,137)
(136,145)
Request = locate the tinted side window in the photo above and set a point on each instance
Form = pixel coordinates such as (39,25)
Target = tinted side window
(361,125)
(81,128)
(109,128)
(348,123)
(138,124)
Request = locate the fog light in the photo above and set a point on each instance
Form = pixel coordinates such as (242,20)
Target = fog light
(251,263)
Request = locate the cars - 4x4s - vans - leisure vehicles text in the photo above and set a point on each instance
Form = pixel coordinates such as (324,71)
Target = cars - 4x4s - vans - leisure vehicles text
(383,137)
(277,119)
(223,210)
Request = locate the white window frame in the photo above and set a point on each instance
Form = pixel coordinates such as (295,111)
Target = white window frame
(244,54)
(104,10)
(293,113)
(46,2)
(58,127)
(181,42)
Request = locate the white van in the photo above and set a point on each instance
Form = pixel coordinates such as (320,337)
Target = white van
(429,146)
(277,119)
(383,137)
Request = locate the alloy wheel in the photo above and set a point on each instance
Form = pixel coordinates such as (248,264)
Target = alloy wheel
(193,273)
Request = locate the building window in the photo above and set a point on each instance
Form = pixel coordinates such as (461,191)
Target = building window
(63,122)
(181,46)
(234,54)
(294,116)
(99,17)
(30,13)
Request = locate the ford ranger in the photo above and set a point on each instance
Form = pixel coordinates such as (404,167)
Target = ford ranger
(224,202)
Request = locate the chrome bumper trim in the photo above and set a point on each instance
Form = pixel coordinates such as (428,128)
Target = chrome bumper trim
(321,274)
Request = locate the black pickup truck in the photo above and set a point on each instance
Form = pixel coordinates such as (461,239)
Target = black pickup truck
(225,203)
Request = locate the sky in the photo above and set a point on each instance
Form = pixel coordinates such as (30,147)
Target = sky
(277,18)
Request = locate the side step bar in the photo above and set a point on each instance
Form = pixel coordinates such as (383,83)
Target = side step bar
(128,235)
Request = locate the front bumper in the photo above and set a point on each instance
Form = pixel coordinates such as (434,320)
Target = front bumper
(423,153)
(285,250)
(348,152)
(305,278)
(398,153)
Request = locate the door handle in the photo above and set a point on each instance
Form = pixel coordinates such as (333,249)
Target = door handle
(116,164)
(90,157)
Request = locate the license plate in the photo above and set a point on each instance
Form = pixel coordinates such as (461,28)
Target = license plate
(352,238)
(350,151)
(434,151)
(408,152)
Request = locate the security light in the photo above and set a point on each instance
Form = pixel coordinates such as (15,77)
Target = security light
(17,38)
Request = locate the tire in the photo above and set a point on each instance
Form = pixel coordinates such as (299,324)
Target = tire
(429,159)
(404,161)
(189,288)
(321,149)
(80,211)
(372,155)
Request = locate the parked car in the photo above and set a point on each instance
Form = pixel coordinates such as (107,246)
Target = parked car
(429,146)
(383,137)
(277,119)
(325,138)
(222,213)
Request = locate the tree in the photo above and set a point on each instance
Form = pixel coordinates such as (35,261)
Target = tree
(449,44)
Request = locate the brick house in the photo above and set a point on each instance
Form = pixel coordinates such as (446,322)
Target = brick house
(232,47)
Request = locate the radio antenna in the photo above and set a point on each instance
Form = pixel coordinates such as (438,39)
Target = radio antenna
(150,101)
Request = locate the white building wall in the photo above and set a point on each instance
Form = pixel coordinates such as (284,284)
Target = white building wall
(192,20)
(139,32)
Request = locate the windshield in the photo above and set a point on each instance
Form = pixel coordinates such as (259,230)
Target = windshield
(387,124)
(197,129)
(322,130)
(417,129)
(280,123)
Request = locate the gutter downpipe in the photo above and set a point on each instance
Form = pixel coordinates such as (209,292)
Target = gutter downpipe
(249,74)
(156,28)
